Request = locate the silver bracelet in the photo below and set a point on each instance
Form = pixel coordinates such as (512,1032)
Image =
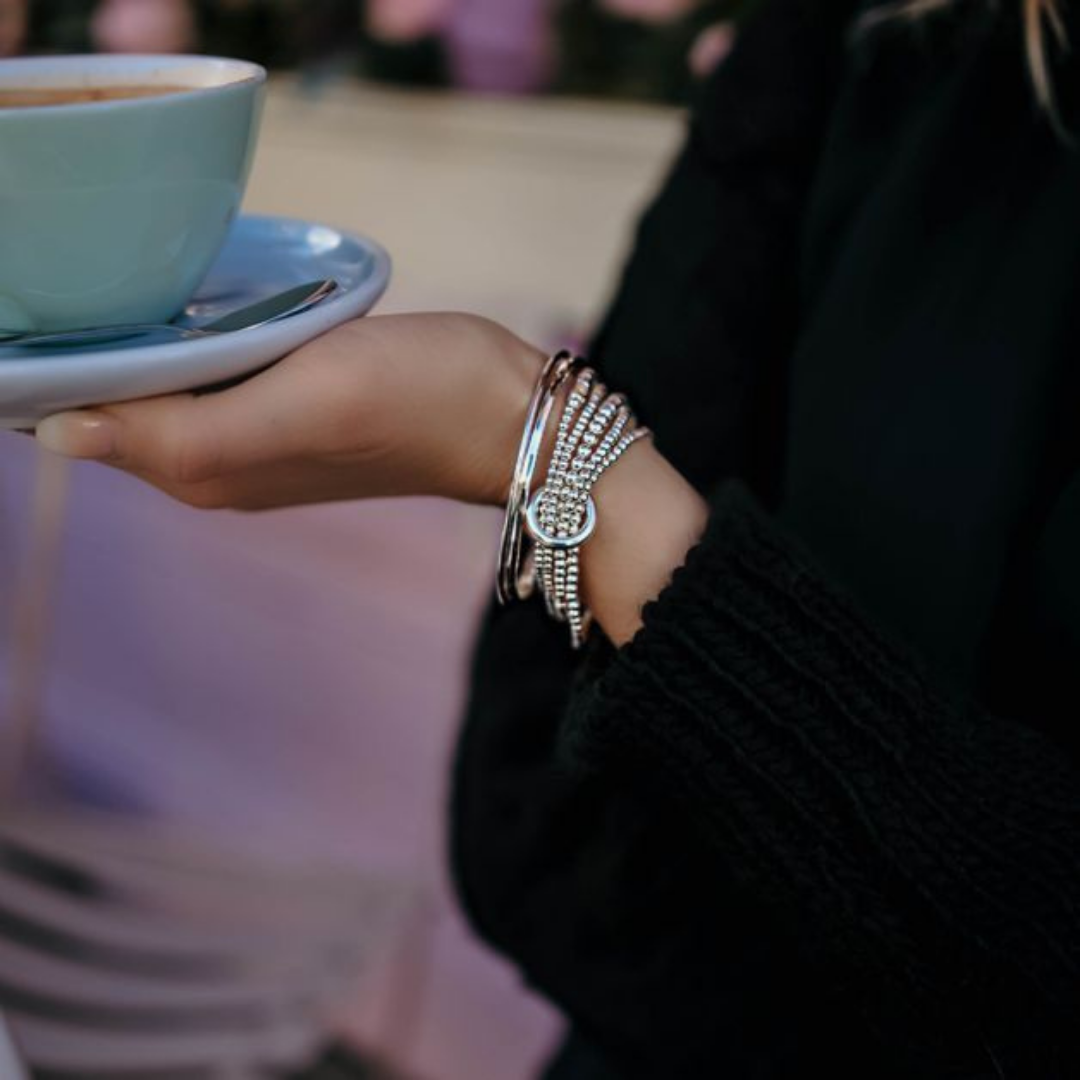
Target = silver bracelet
(585,397)
(594,431)
(510,584)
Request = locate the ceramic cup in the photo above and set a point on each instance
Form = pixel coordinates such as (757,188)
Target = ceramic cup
(112,211)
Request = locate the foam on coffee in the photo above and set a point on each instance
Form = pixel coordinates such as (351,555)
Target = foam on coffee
(16,97)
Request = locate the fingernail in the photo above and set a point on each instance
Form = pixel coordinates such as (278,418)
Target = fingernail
(89,435)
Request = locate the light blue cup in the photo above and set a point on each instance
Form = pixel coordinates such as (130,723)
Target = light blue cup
(112,211)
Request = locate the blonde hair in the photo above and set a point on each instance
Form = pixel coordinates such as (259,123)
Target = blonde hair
(1041,18)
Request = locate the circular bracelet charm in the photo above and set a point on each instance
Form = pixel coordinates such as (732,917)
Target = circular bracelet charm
(559,543)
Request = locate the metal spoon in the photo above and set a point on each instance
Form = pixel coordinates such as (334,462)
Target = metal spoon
(280,306)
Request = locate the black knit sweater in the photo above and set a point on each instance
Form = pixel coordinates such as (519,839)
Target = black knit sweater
(822,816)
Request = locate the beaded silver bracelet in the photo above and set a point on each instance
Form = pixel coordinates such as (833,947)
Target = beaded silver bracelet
(511,583)
(594,431)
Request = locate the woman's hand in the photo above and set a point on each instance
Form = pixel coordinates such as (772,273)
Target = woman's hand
(391,405)
(397,405)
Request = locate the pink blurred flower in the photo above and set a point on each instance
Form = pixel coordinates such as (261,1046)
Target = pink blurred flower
(406,20)
(710,49)
(152,26)
(12,26)
(652,11)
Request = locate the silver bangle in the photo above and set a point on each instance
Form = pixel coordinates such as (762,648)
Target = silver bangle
(508,582)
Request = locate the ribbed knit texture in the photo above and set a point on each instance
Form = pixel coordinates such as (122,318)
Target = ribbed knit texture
(929,853)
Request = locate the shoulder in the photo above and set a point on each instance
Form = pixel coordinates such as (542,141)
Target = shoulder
(787,62)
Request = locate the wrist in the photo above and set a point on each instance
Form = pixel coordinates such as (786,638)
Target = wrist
(480,403)
(648,515)
(648,519)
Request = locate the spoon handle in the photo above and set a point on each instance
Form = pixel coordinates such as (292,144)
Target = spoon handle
(98,335)
(280,306)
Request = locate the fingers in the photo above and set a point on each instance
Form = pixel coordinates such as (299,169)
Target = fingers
(188,440)
(175,438)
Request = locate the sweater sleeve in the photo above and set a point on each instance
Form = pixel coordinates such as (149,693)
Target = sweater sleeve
(923,851)
(702,325)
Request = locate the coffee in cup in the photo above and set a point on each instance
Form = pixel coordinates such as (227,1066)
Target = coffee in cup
(14,97)
(121,176)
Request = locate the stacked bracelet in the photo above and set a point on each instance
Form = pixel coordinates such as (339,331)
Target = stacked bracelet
(594,431)
(510,583)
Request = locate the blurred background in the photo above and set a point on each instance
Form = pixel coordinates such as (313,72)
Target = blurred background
(637,49)
(249,721)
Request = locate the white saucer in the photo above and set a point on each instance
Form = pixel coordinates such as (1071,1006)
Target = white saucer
(262,255)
